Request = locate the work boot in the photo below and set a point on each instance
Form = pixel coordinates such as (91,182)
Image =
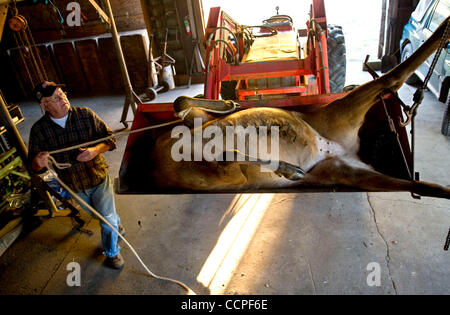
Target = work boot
(115,262)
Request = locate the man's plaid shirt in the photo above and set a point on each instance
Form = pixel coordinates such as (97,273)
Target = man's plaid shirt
(82,125)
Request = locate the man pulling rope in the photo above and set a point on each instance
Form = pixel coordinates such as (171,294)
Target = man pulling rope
(59,132)
(64,126)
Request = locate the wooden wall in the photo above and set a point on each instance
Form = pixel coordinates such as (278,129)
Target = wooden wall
(86,66)
(82,57)
(45,24)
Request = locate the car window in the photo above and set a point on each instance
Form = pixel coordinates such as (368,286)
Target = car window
(420,10)
(439,15)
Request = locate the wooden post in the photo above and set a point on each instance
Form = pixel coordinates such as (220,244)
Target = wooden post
(131,97)
(3,13)
(382,30)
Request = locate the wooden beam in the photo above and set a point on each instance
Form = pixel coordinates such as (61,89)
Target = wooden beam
(382,29)
(3,13)
(8,1)
(148,23)
(102,13)
(200,24)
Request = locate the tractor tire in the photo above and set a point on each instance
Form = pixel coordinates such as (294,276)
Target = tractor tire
(336,58)
(445,129)
(228,90)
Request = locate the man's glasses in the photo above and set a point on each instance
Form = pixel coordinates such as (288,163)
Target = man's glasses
(58,95)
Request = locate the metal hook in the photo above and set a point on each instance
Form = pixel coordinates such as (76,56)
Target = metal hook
(409,115)
(410,112)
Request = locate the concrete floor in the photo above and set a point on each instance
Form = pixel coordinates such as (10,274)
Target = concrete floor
(316,243)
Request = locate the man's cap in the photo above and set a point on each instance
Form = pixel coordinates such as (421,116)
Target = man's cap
(45,89)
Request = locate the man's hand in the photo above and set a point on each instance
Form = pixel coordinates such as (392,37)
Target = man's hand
(40,161)
(88,154)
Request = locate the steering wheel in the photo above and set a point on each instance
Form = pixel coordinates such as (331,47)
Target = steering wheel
(271,29)
(281,18)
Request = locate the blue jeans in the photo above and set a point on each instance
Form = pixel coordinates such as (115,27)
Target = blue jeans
(101,198)
(56,187)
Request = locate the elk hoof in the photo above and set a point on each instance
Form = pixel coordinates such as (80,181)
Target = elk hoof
(290,171)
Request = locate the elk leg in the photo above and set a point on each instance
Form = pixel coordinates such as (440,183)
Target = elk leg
(189,115)
(341,119)
(189,108)
(334,171)
(285,169)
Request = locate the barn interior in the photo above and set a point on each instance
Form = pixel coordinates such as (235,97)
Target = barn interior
(279,242)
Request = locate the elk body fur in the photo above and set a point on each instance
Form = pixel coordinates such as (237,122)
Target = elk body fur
(323,143)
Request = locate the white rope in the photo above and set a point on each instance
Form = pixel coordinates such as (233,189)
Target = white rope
(82,202)
(60,166)
(182,114)
(52,162)
(120,134)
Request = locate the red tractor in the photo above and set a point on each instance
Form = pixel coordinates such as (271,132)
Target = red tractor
(273,60)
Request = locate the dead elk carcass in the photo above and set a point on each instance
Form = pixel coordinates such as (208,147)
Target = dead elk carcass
(316,148)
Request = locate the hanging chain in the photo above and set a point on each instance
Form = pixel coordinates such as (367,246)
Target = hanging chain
(38,55)
(26,45)
(22,57)
(411,112)
(13,7)
(34,58)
